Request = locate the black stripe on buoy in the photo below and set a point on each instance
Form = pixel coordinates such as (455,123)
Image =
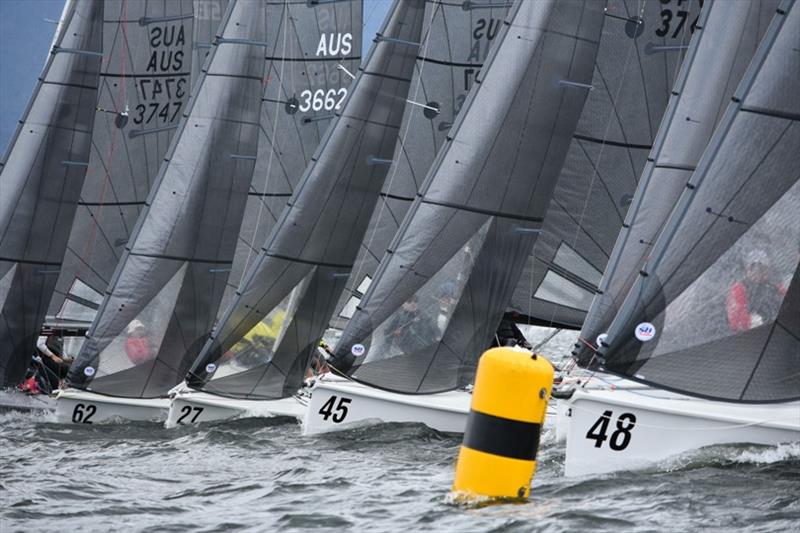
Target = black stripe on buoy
(502,436)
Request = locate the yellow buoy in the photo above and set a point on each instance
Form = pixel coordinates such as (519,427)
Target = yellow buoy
(498,455)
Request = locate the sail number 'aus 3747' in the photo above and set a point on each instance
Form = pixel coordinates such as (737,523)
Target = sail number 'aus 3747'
(333,410)
(163,89)
(619,438)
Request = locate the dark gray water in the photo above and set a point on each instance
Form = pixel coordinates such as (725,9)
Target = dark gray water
(258,475)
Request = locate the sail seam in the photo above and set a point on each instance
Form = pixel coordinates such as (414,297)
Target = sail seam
(306,261)
(612,143)
(65,84)
(482,211)
(29,261)
(771,113)
(180,258)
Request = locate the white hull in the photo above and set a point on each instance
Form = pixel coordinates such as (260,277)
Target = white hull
(354,405)
(82,407)
(194,407)
(14,400)
(611,430)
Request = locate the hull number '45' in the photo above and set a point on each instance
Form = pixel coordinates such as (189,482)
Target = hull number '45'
(337,413)
(82,414)
(620,438)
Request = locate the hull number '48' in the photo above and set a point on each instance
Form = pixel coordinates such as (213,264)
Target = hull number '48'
(82,414)
(337,413)
(620,438)
(187,410)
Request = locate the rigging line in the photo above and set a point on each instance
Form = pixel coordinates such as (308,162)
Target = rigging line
(265,188)
(594,174)
(422,51)
(88,249)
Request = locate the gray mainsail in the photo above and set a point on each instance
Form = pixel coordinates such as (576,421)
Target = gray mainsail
(164,295)
(144,87)
(459,37)
(40,181)
(266,337)
(441,288)
(640,53)
(311,48)
(726,39)
(207,18)
(715,312)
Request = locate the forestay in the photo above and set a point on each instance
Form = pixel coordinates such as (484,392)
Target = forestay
(726,39)
(144,87)
(641,50)
(449,273)
(264,342)
(41,179)
(165,292)
(459,37)
(715,312)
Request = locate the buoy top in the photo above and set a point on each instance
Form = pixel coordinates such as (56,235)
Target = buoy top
(509,384)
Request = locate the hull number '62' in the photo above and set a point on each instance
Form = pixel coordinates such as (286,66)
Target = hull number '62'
(187,410)
(337,413)
(620,438)
(82,414)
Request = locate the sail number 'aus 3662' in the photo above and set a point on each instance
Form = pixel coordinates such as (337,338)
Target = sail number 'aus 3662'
(333,410)
(620,437)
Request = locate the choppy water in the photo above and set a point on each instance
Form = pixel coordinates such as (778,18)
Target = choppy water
(259,475)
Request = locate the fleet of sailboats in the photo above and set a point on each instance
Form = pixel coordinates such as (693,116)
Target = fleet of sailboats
(214,187)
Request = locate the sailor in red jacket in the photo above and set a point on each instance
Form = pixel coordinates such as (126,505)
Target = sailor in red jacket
(756,298)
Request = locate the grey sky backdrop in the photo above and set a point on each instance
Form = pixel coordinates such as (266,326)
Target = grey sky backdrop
(25,37)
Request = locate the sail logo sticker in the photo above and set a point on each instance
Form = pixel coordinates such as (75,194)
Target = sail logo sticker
(358,350)
(601,339)
(645,331)
(89,371)
(210,368)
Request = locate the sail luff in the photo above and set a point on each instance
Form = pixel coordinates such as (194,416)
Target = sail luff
(164,295)
(716,59)
(713,313)
(42,173)
(273,325)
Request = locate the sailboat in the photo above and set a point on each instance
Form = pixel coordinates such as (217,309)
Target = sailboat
(41,179)
(164,294)
(420,381)
(257,356)
(144,87)
(713,315)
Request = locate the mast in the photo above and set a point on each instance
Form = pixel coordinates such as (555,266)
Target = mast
(450,271)
(725,40)
(460,36)
(641,50)
(717,305)
(164,295)
(144,88)
(40,180)
(268,334)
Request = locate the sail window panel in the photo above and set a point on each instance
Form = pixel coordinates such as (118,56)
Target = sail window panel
(422,319)
(349,308)
(75,311)
(6,279)
(258,345)
(557,289)
(140,338)
(82,290)
(770,249)
(208,15)
(570,260)
(364,285)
